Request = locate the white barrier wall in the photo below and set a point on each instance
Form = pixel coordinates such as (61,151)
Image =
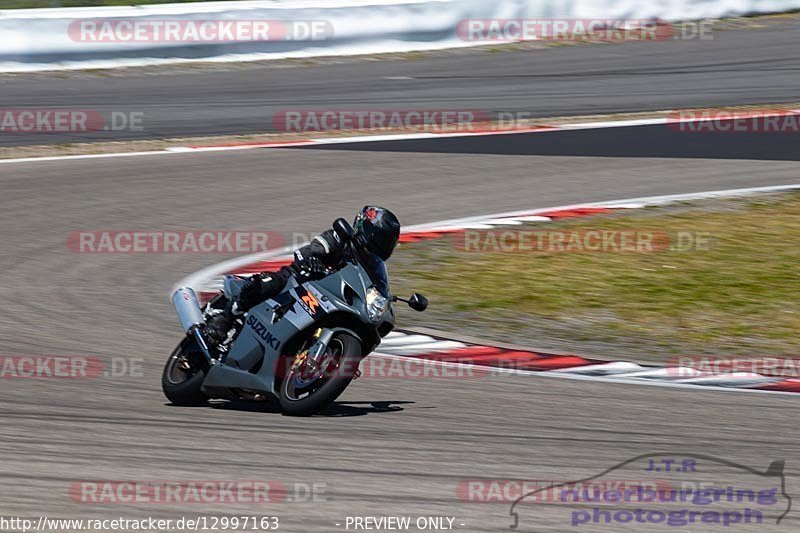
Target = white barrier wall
(39,39)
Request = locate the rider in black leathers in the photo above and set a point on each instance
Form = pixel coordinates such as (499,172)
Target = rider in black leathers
(377,231)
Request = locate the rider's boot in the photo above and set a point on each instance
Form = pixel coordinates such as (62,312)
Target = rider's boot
(218,326)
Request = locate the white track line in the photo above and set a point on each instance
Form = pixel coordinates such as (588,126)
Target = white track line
(400,339)
(380,138)
(416,349)
(84,156)
(604,369)
(196,279)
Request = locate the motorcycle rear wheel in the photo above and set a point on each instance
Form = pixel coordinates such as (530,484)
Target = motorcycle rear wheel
(183,375)
(346,350)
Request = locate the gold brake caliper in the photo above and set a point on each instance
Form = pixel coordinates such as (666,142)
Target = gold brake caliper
(299,360)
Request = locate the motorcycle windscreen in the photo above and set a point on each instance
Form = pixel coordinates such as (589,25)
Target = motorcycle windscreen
(376,268)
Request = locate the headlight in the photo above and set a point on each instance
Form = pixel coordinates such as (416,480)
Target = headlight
(377,304)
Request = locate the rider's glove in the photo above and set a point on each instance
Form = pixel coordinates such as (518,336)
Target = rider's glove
(312,268)
(251,291)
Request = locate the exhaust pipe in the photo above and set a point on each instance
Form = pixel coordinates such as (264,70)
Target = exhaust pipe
(188,307)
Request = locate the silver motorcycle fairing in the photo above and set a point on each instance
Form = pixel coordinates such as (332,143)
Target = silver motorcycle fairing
(271,325)
(232,286)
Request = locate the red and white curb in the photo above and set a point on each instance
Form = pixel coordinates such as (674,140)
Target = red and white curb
(479,359)
(449,352)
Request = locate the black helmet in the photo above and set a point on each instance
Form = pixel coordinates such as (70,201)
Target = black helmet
(377,230)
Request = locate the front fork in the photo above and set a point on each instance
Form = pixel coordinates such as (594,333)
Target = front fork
(312,357)
(316,352)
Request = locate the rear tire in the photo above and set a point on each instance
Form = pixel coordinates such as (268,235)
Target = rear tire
(182,386)
(331,388)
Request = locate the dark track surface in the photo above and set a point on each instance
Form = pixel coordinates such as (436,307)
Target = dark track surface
(661,141)
(392,446)
(736,67)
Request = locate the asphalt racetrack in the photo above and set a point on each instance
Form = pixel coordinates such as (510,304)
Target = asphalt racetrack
(389,447)
(736,67)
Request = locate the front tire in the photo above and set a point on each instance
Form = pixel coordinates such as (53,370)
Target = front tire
(346,351)
(183,375)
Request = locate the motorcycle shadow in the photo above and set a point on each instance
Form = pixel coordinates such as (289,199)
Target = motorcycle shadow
(338,409)
(362,408)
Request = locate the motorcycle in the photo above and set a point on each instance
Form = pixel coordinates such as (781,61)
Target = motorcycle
(302,347)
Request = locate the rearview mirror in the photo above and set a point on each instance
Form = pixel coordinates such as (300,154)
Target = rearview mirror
(417,302)
(343,229)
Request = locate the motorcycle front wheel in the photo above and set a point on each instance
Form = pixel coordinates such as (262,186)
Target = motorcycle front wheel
(305,390)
